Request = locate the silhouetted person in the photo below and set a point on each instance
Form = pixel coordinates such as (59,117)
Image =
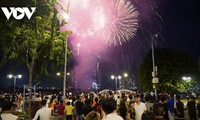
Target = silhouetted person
(191,106)
(7,111)
(148,116)
(43,113)
(122,109)
(165,107)
(158,111)
(179,108)
(93,116)
(87,107)
(109,107)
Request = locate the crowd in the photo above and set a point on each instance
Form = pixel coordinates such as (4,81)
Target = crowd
(106,106)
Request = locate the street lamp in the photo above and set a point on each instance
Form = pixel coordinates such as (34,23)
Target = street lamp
(68,74)
(155,80)
(66,17)
(186,78)
(116,78)
(58,73)
(125,75)
(15,77)
(65,66)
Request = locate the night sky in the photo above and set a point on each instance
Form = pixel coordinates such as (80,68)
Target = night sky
(182,26)
(181,23)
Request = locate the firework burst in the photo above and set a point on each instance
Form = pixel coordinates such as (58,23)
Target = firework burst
(120,21)
(113,21)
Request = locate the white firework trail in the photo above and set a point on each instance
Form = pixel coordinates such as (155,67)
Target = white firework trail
(121,21)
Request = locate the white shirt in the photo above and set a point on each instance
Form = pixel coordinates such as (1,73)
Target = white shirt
(43,113)
(8,116)
(112,116)
(139,110)
(118,101)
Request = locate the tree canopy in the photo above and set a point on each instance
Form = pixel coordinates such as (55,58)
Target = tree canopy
(172,66)
(37,42)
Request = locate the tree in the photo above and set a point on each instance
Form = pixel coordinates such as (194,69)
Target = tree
(172,66)
(37,42)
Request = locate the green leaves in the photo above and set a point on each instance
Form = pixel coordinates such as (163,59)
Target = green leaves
(172,66)
(36,42)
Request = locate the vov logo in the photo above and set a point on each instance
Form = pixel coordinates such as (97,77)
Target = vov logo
(18,12)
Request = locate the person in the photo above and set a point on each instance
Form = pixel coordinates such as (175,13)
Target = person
(118,100)
(148,103)
(35,107)
(93,116)
(52,104)
(43,113)
(14,108)
(19,100)
(165,107)
(87,107)
(96,105)
(140,107)
(68,110)
(131,111)
(148,116)
(78,106)
(109,106)
(38,98)
(61,109)
(198,107)
(191,106)
(170,103)
(179,108)
(7,111)
(122,109)
(158,111)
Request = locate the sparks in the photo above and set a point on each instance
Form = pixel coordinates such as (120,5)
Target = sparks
(113,21)
(121,21)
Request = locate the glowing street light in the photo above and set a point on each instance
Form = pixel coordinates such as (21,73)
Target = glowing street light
(66,17)
(116,78)
(187,78)
(68,74)
(125,75)
(15,77)
(79,44)
(112,77)
(58,74)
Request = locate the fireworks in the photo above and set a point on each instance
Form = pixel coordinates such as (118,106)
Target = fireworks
(113,21)
(121,21)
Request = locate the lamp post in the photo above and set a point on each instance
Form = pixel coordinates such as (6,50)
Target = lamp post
(116,78)
(15,77)
(155,70)
(66,17)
